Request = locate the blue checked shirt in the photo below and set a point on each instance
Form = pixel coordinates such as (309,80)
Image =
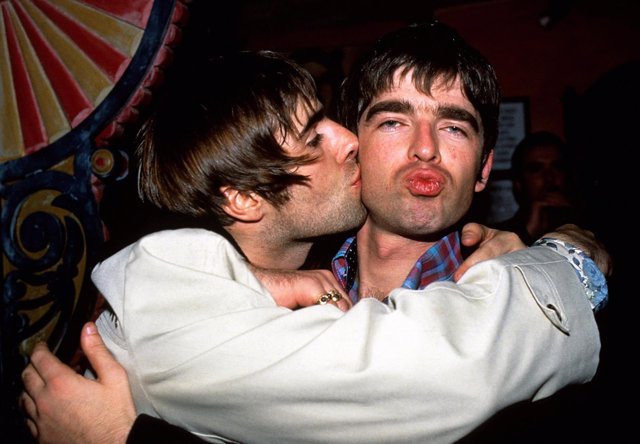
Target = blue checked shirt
(438,263)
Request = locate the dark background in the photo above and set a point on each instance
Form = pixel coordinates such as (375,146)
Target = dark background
(577,63)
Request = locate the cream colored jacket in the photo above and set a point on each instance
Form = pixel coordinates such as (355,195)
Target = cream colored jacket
(206,347)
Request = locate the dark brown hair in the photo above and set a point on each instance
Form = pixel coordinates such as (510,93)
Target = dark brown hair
(224,125)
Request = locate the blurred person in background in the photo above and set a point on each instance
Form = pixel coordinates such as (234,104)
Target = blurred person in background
(543,187)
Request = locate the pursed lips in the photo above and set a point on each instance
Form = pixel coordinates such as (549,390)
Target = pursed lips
(429,183)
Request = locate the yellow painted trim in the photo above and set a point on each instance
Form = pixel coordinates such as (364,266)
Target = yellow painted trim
(91,79)
(11,141)
(122,35)
(53,116)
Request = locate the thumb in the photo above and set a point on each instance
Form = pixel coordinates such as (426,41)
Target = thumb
(96,351)
(472,234)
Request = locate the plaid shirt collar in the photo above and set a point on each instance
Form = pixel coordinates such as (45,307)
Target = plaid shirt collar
(438,263)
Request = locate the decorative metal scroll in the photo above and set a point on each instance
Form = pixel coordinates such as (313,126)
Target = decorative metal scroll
(73,74)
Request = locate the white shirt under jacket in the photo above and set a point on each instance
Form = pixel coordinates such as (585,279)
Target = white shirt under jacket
(206,347)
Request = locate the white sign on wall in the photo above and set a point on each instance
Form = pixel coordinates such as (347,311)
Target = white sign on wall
(513,126)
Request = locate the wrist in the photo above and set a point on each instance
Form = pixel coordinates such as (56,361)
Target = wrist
(588,273)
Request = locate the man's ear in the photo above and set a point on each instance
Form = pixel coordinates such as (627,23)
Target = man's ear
(244,207)
(481,183)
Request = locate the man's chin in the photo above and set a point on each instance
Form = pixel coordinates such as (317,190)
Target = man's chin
(354,216)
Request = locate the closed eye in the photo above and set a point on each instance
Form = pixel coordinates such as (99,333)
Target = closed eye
(315,141)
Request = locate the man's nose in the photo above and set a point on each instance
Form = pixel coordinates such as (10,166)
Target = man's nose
(348,144)
(549,176)
(424,144)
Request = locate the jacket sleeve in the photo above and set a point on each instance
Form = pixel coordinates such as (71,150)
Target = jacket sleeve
(209,350)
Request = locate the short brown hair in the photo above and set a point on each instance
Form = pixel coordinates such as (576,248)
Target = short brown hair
(224,125)
(431,50)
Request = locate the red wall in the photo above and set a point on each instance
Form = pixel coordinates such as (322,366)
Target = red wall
(531,61)
(542,63)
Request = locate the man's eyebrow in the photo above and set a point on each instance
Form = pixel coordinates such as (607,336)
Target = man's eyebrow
(316,117)
(456,113)
(389,106)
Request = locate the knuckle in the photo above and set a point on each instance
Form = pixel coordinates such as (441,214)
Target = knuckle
(56,385)
(512,237)
(25,375)
(119,372)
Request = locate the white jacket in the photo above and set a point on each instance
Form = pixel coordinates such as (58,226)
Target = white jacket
(206,347)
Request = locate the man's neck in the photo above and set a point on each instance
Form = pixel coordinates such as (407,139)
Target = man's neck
(264,251)
(384,260)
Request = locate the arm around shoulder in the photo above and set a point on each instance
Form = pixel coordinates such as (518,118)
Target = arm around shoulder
(218,356)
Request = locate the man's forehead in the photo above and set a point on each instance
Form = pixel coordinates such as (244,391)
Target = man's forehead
(405,91)
(403,78)
(547,151)
(302,121)
(306,115)
(445,97)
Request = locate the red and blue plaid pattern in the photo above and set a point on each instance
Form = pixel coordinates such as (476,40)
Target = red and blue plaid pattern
(438,263)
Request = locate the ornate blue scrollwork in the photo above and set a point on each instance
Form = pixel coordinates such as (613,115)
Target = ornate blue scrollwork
(51,229)
(51,224)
